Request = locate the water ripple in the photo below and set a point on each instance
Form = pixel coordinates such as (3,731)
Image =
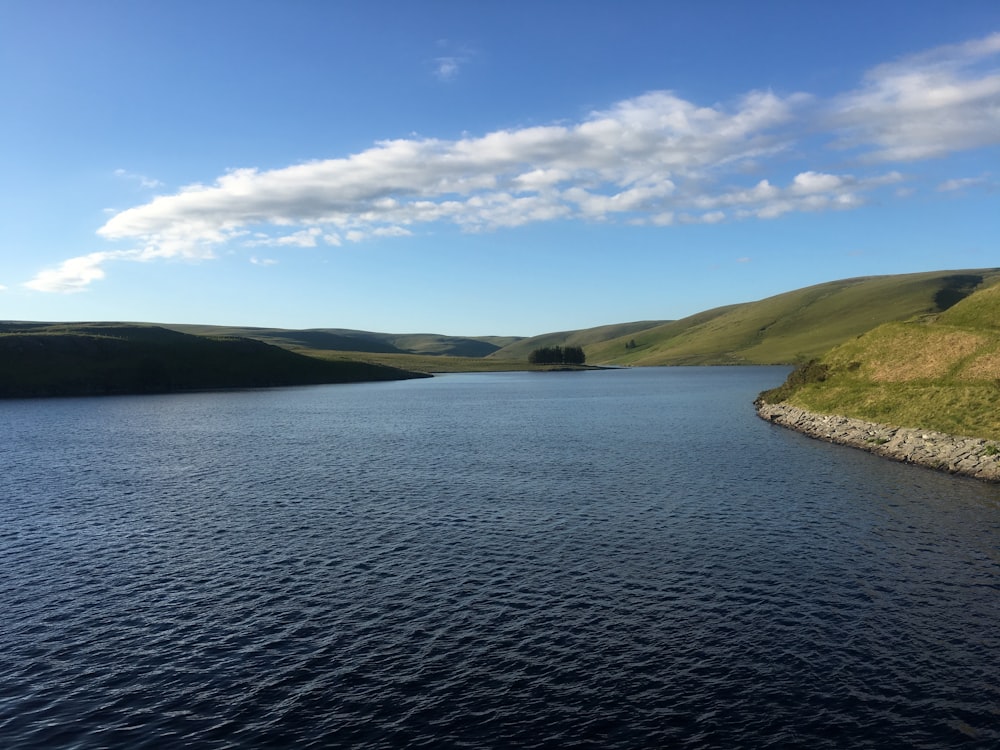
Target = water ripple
(627,559)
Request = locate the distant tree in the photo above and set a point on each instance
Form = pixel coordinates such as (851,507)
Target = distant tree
(573,355)
(630,344)
(546,355)
(557,355)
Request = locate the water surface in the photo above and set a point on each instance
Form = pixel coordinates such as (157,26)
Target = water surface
(623,558)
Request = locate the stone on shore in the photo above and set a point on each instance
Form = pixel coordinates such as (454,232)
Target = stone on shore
(973,457)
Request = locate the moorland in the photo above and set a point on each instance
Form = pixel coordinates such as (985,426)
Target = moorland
(789,328)
(919,349)
(80,359)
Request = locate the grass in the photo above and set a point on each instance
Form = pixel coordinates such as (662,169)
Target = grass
(939,373)
(345,340)
(431,364)
(587,337)
(789,328)
(794,327)
(958,409)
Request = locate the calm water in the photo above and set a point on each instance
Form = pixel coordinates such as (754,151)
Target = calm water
(609,559)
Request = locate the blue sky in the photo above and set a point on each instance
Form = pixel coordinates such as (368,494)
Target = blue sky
(485,168)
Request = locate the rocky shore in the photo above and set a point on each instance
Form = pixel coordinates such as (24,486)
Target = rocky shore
(971,457)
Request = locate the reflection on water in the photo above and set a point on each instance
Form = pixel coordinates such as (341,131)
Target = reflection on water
(609,559)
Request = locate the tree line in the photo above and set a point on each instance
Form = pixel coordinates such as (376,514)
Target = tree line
(558,355)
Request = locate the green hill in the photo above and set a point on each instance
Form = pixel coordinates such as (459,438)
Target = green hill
(347,340)
(587,337)
(940,372)
(787,328)
(792,327)
(38,359)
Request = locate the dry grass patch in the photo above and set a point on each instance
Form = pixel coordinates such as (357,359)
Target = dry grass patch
(984,367)
(918,353)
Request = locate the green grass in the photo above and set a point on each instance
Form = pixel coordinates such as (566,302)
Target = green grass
(431,364)
(788,328)
(959,409)
(979,311)
(938,373)
(368,342)
(589,338)
(794,327)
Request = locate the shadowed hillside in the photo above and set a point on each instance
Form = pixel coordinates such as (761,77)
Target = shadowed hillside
(784,329)
(795,326)
(346,340)
(939,373)
(788,328)
(98,359)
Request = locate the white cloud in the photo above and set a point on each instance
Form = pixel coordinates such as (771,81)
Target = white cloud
(807,183)
(944,100)
(624,160)
(599,205)
(446,67)
(263,261)
(357,235)
(454,57)
(808,191)
(304,238)
(144,182)
(655,160)
(78,273)
(540,179)
(73,275)
(962,183)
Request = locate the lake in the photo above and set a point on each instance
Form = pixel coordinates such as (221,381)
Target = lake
(609,559)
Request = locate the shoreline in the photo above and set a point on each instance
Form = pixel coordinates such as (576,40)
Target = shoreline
(977,458)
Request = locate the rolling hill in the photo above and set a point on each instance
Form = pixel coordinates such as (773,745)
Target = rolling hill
(940,372)
(586,337)
(38,359)
(347,340)
(792,327)
(788,328)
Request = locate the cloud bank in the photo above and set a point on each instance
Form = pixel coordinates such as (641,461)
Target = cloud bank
(655,159)
(928,105)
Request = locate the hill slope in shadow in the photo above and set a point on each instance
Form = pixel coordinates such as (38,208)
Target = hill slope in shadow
(101,359)
(347,340)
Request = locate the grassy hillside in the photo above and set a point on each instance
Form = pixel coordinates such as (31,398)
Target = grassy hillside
(346,340)
(787,328)
(99,359)
(429,364)
(424,363)
(940,373)
(586,337)
(795,326)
